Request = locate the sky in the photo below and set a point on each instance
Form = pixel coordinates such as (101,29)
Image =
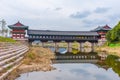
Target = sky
(65,15)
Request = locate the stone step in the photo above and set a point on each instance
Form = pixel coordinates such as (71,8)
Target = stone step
(11,63)
(4,47)
(7,49)
(13,57)
(10,58)
(7,52)
(9,71)
(11,54)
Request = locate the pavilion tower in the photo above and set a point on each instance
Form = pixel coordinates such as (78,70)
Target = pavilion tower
(18,31)
(102,31)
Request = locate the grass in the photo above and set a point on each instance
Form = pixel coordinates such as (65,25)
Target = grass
(114,44)
(3,39)
(110,48)
(37,55)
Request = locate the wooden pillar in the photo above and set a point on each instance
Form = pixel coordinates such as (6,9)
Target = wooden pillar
(93,45)
(69,47)
(56,47)
(81,47)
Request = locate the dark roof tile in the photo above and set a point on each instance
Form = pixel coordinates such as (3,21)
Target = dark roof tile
(50,32)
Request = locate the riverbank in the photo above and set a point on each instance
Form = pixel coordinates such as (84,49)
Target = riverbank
(109,50)
(37,59)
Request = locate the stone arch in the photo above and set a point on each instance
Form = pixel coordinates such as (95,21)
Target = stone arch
(36,42)
(75,45)
(87,46)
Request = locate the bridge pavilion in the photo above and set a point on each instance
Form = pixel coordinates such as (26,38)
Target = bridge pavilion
(67,36)
(18,31)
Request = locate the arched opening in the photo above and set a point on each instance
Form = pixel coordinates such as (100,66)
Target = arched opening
(87,47)
(75,47)
(61,47)
(36,43)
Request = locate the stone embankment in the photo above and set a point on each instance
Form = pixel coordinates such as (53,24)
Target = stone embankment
(37,59)
(11,55)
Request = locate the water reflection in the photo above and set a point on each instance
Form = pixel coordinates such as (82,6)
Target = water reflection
(63,50)
(72,72)
(60,50)
(75,51)
(108,69)
(110,62)
(114,63)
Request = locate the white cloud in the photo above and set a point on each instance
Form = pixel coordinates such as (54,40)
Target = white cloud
(56,13)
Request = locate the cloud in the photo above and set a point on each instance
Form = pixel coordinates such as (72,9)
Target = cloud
(81,14)
(60,14)
(101,10)
(94,23)
(58,9)
(114,17)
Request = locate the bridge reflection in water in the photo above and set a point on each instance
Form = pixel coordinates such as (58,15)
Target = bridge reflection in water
(75,57)
(99,59)
(78,58)
(67,69)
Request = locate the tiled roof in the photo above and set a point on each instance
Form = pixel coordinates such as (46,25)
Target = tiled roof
(18,25)
(106,27)
(50,32)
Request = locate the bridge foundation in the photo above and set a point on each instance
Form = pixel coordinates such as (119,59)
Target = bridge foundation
(56,47)
(93,46)
(81,47)
(69,47)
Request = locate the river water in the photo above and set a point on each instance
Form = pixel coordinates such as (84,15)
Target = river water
(107,70)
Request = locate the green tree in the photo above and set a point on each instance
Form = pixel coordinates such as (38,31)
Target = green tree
(114,34)
(108,36)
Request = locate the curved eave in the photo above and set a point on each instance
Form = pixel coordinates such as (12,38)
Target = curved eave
(18,32)
(61,35)
(18,27)
(103,30)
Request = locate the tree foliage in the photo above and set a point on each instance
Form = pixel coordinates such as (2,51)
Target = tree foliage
(112,62)
(114,34)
